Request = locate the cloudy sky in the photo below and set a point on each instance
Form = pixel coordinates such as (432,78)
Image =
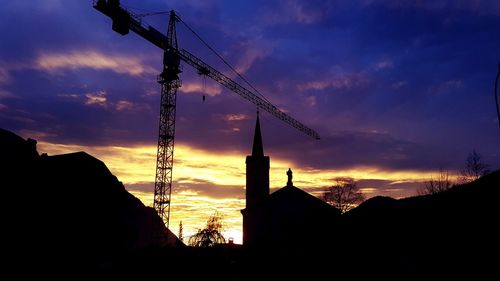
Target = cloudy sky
(396,89)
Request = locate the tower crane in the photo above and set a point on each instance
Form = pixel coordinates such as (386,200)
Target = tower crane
(122,22)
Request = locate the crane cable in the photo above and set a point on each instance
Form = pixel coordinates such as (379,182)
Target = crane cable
(151,13)
(496,94)
(221,58)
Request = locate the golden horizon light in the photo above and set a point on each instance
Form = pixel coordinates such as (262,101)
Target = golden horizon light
(206,182)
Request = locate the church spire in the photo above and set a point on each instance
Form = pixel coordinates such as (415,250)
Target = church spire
(257,186)
(257,149)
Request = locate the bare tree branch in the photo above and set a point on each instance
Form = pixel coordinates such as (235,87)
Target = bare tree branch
(440,184)
(344,194)
(474,168)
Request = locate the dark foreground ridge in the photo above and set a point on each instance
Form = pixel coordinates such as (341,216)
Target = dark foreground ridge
(68,212)
(68,216)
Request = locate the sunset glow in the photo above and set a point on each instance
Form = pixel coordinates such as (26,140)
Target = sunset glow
(205,182)
(397,90)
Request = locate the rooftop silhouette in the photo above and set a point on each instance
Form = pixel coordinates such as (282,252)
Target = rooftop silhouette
(282,218)
(81,219)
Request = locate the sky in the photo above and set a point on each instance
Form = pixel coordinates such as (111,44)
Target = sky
(397,91)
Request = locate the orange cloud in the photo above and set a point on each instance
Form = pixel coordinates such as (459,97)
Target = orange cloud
(209,89)
(124,105)
(130,65)
(235,117)
(97,99)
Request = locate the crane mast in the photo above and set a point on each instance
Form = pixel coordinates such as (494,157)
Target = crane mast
(123,21)
(169,81)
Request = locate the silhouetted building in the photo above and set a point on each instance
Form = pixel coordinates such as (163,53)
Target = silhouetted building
(257,176)
(284,217)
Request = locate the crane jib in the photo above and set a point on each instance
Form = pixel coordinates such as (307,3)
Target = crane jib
(245,93)
(123,22)
(122,16)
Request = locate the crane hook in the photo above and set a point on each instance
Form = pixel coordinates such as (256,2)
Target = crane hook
(204,77)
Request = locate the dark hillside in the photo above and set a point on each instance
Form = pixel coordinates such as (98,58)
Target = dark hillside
(453,232)
(68,211)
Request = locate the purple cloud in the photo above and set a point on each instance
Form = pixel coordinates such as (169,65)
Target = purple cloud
(394,85)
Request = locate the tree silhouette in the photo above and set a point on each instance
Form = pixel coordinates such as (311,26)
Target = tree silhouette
(344,194)
(440,184)
(474,168)
(210,235)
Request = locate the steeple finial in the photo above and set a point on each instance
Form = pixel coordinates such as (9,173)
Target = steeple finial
(289,173)
(257,149)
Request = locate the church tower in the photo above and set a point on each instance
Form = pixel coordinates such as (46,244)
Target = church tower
(257,182)
(257,190)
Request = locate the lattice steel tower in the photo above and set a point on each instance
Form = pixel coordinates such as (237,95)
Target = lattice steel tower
(123,22)
(169,81)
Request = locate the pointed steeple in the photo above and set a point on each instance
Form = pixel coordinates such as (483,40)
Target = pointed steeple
(257,149)
(257,186)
